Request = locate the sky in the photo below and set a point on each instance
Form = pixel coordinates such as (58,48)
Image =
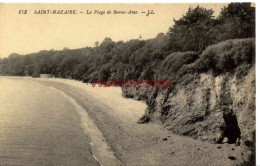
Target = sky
(28,33)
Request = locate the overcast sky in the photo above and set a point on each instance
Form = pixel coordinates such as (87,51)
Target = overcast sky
(31,33)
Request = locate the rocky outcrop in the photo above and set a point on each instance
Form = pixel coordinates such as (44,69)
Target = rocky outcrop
(209,107)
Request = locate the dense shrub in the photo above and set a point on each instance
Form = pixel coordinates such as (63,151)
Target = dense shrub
(227,55)
(35,75)
(174,62)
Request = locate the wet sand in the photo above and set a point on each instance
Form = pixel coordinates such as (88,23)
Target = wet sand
(39,126)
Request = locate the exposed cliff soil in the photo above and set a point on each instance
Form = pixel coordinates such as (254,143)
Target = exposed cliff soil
(208,108)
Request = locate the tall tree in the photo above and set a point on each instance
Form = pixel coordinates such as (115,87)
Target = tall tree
(238,20)
(192,31)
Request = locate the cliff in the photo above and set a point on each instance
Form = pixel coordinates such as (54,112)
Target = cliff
(209,107)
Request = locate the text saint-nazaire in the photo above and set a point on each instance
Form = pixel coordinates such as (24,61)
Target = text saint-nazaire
(55,12)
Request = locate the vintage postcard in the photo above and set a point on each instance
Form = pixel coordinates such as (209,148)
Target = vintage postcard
(129,84)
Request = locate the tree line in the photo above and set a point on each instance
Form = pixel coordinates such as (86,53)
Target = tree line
(188,41)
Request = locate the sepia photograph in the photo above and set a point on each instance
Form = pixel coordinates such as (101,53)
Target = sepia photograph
(128,84)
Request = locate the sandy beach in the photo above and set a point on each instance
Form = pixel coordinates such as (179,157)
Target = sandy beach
(91,126)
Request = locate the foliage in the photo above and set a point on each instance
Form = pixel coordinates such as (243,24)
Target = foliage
(226,56)
(238,20)
(192,31)
(177,55)
(198,28)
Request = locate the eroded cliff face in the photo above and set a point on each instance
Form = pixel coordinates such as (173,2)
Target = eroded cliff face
(208,108)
